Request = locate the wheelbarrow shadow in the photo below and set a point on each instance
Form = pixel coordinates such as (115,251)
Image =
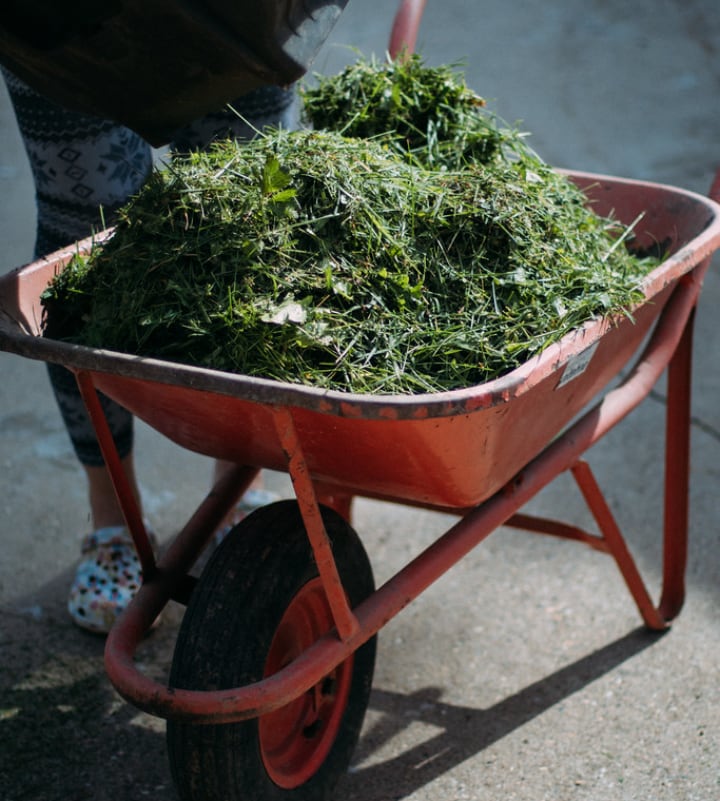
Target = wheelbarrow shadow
(465,731)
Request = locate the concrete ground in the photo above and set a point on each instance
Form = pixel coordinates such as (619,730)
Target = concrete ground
(524,673)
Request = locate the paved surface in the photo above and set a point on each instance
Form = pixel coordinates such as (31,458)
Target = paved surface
(524,673)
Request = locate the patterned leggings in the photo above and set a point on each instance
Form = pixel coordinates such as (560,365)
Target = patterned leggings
(81,163)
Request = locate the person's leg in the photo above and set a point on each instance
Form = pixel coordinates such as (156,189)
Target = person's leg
(109,574)
(84,169)
(80,165)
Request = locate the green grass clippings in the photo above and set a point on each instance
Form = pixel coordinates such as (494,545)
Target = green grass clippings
(432,255)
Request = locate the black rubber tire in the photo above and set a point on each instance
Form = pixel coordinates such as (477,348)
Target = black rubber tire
(224,641)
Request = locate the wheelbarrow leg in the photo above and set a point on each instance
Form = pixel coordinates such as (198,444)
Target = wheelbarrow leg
(677,461)
(675,502)
(616,545)
(677,475)
(121,485)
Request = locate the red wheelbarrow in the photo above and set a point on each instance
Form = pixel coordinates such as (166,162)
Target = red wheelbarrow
(274,658)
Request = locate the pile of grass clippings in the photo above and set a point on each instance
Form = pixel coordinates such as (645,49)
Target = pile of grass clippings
(349,262)
(427,114)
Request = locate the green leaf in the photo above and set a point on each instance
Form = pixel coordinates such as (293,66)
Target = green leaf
(274,178)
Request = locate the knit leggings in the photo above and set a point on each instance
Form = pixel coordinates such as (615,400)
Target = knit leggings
(84,169)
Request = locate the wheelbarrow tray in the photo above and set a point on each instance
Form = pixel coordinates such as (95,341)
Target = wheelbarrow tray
(448,450)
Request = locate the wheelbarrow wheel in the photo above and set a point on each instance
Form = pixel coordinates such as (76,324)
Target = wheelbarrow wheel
(260,603)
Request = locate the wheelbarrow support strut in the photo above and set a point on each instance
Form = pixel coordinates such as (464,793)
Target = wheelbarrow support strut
(345,622)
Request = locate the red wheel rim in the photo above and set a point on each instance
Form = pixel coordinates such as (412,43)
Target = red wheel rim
(296,739)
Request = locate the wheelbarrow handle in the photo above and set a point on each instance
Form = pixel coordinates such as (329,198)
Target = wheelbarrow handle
(405,27)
